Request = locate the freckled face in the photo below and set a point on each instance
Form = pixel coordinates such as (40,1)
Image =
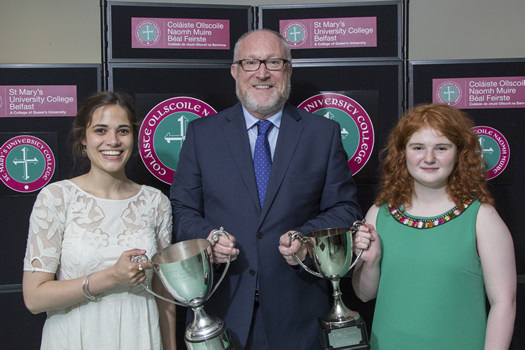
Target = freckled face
(109,139)
(430,158)
(262,92)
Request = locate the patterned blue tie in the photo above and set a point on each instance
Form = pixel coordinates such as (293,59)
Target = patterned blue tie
(262,158)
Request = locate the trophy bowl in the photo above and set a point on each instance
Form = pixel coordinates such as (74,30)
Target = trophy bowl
(186,271)
(332,250)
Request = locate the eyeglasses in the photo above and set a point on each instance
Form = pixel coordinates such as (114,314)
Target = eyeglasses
(252,64)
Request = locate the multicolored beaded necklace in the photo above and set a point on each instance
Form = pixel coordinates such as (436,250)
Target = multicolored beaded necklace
(428,223)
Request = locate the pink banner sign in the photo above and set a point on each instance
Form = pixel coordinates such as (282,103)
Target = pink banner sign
(480,93)
(180,33)
(322,33)
(38,101)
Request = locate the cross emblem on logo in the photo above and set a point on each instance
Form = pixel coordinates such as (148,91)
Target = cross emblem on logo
(182,136)
(295,33)
(147,31)
(484,150)
(451,94)
(25,161)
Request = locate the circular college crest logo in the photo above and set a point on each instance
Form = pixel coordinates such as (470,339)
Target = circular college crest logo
(296,34)
(26,163)
(449,92)
(357,130)
(494,148)
(147,33)
(163,131)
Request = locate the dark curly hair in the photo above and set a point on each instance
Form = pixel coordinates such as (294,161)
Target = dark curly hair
(468,176)
(85,115)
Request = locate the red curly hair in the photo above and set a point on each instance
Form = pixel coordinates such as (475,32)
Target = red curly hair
(468,176)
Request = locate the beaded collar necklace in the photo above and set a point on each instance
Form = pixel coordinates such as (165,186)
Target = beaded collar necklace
(427,223)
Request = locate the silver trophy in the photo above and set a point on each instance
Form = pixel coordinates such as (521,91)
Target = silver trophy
(186,272)
(331,249)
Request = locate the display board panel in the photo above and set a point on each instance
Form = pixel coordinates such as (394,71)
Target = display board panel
(166,98)
(492,92)
(34,148)
(339,31)
(365,98)
(28,96)
(161,32)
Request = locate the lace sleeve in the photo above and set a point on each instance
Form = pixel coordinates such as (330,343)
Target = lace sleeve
(164,223)
(46,228)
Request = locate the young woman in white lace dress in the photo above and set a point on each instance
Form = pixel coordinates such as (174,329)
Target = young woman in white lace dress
(83,233)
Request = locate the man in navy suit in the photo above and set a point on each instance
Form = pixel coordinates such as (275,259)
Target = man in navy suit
(266,299)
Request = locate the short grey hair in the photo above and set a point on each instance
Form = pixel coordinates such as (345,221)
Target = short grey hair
(288,50)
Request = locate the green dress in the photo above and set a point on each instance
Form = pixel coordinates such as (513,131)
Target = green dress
(431,293)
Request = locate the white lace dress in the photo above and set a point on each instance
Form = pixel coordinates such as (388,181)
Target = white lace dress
(72,234)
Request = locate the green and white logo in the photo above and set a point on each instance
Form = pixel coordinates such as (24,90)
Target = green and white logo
(296,34)
(357,130)
(26,163)
(494,148)
(147,33)
(163,132)
(449,93)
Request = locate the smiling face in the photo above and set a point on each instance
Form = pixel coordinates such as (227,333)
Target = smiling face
(431,158)
(262,92)
(109,139)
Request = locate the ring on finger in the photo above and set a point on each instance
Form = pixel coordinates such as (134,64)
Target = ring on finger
(140,267)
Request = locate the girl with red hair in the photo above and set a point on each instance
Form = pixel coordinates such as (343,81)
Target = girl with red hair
(440,247)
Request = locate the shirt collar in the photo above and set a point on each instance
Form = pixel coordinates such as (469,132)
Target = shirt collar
(251,120)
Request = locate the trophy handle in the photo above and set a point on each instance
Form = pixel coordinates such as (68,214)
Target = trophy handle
(356,259)
(302,239)
(214,238)
(144,258)
(354,228)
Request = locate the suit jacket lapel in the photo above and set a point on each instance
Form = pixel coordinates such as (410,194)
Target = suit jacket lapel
(237,138)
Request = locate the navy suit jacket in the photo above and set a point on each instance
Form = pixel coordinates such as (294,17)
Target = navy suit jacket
(310,188)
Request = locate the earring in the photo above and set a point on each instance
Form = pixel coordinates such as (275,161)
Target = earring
(84,151)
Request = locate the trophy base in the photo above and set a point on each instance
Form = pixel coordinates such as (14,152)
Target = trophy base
(349,336)
(224,341)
